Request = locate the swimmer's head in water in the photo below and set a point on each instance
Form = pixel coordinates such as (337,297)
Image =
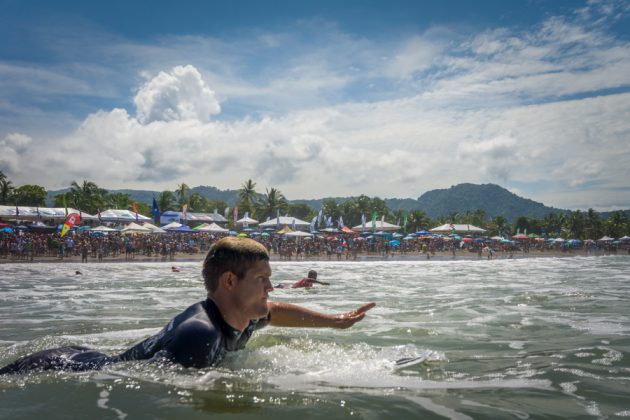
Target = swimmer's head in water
(312,274)
(233,254)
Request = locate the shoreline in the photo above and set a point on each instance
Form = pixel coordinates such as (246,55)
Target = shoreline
(200,256)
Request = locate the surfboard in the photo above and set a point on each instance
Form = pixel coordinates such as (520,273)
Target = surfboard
(410,361)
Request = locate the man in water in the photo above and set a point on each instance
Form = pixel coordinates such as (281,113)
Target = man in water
(307,281)
(236,274)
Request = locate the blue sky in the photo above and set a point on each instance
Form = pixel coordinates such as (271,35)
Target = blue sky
(317,99)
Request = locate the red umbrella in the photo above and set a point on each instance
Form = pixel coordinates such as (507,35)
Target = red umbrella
(467,239)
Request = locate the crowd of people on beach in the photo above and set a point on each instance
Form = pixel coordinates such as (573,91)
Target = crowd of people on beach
(29,246)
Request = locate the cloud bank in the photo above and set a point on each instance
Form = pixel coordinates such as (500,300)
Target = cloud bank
(544,112)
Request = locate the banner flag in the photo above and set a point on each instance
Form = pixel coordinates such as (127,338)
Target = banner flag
(70,221)
(155,211)
(134,208)
(405,222)
(373,221)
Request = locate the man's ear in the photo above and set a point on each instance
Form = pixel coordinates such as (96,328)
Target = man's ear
(227,280)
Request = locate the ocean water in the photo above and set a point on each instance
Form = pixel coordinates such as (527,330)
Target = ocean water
(523,338)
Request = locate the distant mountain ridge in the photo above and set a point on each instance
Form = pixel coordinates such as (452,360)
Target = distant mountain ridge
(493,199)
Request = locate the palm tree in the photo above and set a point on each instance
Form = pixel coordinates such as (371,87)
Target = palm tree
(6,188)
(247,196)
(118,201)
(182,193)
(198,202)
(418,220)
(271,202)
(499,226)
(166,201)
(87,197)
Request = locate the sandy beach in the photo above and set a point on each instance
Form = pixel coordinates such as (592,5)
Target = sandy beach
(415,256)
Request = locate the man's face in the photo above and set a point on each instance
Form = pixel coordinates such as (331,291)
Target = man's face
(251,292)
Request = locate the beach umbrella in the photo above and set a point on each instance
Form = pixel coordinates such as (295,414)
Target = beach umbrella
(242,235)
(467,239)
(7,229)
(394,243)
(264,234)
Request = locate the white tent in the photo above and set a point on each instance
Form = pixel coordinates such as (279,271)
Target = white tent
(135,228)
(285,221)
(153,228)
(299,234)
(380,225)
(172,225)
(213,227)
(247,220)
(40,213)
(102,229)
(606,238)
(457,228)
(115,215)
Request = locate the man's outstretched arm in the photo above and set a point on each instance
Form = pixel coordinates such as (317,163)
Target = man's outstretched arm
(290,315)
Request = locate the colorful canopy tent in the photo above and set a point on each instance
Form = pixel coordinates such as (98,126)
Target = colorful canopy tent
(380,225)
(457,228)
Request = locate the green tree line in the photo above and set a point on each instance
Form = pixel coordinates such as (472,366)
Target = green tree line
(90,198)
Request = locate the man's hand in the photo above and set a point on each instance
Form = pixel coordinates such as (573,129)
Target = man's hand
(348,319)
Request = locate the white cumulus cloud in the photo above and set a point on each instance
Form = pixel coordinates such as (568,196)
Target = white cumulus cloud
(179,95)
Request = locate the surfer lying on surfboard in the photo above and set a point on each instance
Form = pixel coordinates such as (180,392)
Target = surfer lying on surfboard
(237,275)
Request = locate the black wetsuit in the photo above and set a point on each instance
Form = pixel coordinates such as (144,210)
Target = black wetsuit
(198,337)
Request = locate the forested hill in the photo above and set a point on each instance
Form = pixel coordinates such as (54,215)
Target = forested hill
(492,199)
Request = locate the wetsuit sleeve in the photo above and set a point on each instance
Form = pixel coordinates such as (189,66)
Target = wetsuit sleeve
(194,344)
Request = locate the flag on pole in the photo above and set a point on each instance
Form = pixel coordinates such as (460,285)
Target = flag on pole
(245,224)
(235,214)
(340,222)
(405,222)
(312,228)
(293,224)
(185,212)
(134,208)
(70,221)
(363,221)
(373,221)
(155,211)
